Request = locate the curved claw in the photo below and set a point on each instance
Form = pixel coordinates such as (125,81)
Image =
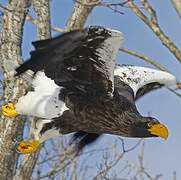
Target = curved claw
(26,147)
(9,110)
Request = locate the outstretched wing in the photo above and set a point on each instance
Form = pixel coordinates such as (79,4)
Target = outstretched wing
(143,80)
(82,59)
(130,81)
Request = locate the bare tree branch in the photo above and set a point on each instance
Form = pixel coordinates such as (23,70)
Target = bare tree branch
(84,3)
(27,165)
(10,55)
(140,157)
(177,5)
(3,8)
(34,21)
(112,6)
(79,15)
(174,175)
(145,58)
(129,163)
(153,25)
(42,9)
(176,93)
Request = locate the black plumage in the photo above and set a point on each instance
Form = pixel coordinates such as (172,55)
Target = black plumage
(81,61)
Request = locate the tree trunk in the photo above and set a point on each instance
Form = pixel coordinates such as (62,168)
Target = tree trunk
(10,55)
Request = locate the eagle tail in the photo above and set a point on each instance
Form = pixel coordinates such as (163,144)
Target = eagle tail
(82,139)
(24,67)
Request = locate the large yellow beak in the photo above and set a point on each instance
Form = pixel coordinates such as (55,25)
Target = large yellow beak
(159,130)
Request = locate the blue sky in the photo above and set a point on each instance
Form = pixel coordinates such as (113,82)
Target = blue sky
(160,156)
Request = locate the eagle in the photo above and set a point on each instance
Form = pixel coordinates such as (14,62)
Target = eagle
(78,88)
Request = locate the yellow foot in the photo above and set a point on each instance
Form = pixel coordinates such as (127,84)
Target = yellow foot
(26,147)
(9,110)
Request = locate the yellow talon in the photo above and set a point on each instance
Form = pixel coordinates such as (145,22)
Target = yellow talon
(26,147)
(9,110)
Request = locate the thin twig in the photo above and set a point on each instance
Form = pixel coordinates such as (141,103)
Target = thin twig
(34,21)
(172,90)
(130,149)
(150,10)
(143,57)
(174,175)
(112,6)
(97,3)
(2,8)
(140,157)
(129,163)
(108,168)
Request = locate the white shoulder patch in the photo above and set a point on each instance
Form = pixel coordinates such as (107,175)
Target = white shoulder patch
(44,101)
(136,77)
(41,83)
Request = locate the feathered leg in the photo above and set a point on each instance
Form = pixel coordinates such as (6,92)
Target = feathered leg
(45,129)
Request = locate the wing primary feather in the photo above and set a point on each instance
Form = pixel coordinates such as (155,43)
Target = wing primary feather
(46,49)
(42,44)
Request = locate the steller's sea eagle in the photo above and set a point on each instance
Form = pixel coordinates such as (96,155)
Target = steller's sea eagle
(78,88)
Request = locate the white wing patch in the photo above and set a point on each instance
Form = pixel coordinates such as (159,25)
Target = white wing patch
(44,101)
(136,77)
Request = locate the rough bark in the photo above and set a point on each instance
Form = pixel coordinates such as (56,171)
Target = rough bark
(10,56)
(42,9)
(79,15)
